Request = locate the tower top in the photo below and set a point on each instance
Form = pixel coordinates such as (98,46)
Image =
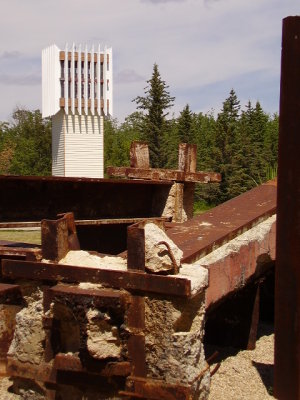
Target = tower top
(77,79)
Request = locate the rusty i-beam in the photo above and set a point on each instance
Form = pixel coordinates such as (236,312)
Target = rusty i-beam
(287,286)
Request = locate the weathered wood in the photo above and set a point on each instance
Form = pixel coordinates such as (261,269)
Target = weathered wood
(164,174)
(129,280)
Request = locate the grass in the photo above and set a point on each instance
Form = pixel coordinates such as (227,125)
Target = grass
(33,236)
(201,206)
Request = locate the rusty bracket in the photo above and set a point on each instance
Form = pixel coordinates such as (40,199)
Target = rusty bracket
(58,237)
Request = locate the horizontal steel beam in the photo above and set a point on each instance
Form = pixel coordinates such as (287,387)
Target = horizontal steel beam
(128,280)
(164,174)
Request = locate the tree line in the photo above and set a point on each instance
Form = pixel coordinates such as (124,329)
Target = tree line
(239,143)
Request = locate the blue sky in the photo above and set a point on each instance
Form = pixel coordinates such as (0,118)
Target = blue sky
(203,48)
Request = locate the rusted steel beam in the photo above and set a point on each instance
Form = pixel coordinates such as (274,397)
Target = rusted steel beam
(136,247)
(119,221)
(66,362)
(87,198)
(49,372)
(139,155)
(27,224)
(34,253)
(206,232)
(10,293)
(254,320)
(287,278)
(58,237)
(144,388)
(101,297)
(81,222)
(136,341)
(128,280)
(43,372)
(164,174)
(187,157)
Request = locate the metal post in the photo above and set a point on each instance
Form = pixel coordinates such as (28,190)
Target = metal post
(287,282)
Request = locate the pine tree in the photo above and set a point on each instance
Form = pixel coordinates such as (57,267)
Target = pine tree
(155,104)
(227,151)
(271,143)
(185,126)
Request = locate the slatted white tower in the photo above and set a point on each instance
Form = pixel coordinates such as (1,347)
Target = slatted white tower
(77,94)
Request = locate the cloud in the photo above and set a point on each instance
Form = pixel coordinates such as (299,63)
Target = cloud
(9,55)
(162,1)
(20,80)
(128,76)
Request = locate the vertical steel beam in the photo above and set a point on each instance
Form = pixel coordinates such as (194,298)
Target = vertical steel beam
(287,281)
(139,155)
(187,157)
(136,247)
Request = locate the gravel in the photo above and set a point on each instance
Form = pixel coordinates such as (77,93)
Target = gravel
(247,374)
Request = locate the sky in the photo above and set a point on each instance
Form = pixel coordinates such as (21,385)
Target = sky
(203,48)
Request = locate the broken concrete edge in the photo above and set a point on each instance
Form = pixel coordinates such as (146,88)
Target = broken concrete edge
(197,275)
(234,264)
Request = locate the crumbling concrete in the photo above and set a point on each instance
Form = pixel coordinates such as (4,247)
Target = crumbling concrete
(102,337)
(173,337)
(157,257)
(7,327)
(28,342)
(85,259)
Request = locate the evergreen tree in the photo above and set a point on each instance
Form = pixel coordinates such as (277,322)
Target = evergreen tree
(271,143)
(155,104)
(204,126)
(185,126)
(227,151)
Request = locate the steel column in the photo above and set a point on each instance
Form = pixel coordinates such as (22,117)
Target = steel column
(287,281)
